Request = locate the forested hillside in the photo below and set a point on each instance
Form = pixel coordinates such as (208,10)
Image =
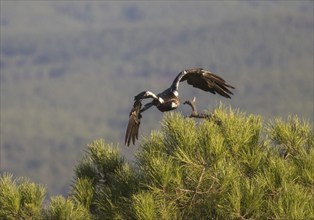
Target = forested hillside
(69,70)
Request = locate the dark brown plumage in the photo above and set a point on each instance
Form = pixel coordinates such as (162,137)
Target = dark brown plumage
(207,81)
(169,99)
(134,123)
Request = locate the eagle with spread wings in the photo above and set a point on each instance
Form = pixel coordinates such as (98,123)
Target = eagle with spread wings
(169,99)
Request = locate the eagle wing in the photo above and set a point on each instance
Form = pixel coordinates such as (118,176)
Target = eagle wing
(134,123)
(206,81)
(135,115)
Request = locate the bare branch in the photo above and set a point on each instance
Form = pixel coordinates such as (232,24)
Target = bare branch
(195,114)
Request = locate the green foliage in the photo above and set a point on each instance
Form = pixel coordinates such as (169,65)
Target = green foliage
(83,192)
(65,209)
(144,206)
(20,198)
(227,168)
(294,137)
(9,197)
(32,196)
(104,182)
(232,167)
(205,165)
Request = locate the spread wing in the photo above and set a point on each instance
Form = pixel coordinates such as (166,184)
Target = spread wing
(135,115)
(204,80)
(134,123)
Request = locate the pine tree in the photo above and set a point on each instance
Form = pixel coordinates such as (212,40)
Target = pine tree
(229,166)
(65,209)
(20,198)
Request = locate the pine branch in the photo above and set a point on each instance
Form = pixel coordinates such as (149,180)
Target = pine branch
(199,183)
(195,114)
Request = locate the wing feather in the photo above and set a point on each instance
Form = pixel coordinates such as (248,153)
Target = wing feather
(207,81)
(135,116)
(134,123)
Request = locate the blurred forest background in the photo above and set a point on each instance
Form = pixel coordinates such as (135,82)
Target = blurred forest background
(70,69)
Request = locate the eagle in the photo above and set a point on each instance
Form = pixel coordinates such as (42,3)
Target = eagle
(168,100)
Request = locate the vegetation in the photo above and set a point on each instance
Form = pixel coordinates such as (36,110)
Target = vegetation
(233,167)
(69,70)
(20,198)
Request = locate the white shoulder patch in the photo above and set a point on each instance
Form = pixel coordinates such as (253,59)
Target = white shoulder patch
(175,92)
(174,105)
(149,93)
(160,100)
